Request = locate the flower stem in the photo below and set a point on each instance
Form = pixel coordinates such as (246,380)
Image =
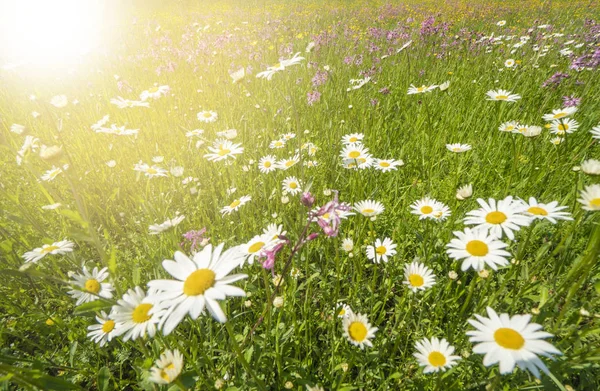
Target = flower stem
(241,358)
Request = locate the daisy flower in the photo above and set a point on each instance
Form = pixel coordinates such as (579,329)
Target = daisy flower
(355,84)
(442,213)
(238,75)
(117,130)
(560,113)
(551,212)
(103,331)
(155,229)
(509,63)
(420,90)
(435,355)
(257,245)
(137,314)
(60,248)
(595,131)
(274,231)
(510,340)
(532,131)
(502,95)
(353,138)
(90,286)
(506,216)
(501,23)
(59,101)
(381,251)
(199,283)
(347,245)
(590,197)
(477,248)
(150,172)
(426,208)
(154,92)
(386,165)
(52,173)
(126,103)
(277,144)
(591,167)
(563,126)
(280,66)
(358,330)
(235,205)
(418,277)
(284,164)
(194,133)
(343,310)
(223,150)
(354,152)
(167,367)
(267,164)
(369,208)
(509,126)
(464,192)
(291,185)
(207,116)
(458,148)
(288,136)
(18,129)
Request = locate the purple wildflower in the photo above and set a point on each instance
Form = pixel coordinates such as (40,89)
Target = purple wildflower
(571,101)
(328,216)
(196,238)
(313,97)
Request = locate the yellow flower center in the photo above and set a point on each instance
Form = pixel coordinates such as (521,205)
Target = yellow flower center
(278,143)
(354,154)
(426,209)
(501,97)
(289,163)
(563,127)
(206,114)
(267,164)
(436,359)
(293,185)
(198,282)
(353,139)
(140,313)
(421,89)
(151,171)
(256,247)
(380,250)
(165,376)
(234,204)
(559,115)
(477,248)
(416,280)
(92,286)
(108,326)
(357,331)
(368,210)
(153,90)
(509,338)
(49,249)
(536,210)
(456,149)
(384,164)
(495,217)
(342,312)
(595,203)
(223,152)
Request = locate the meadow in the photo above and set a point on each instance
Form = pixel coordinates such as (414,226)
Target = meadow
(306,195)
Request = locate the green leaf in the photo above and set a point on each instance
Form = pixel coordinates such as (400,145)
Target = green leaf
(94,306)
(104,379)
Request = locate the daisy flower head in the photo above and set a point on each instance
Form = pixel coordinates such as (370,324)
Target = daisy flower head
(355,84)
(90,286)
(369,208)
(502,95)
(199,283)
(354,152)
(257,245)
(477,248)
(167,367)
(441,213)
(277,144)
(267,164)
(358,330)
(150,171)
(420,90)
(235,205)
(194,133)
(280,66)
(426,208)
(509,63)
(155,229)
(274,231)
(291,185)
(503,216)
(126,103)
(511,340)
(590,198)
(382,250)
(52,173)
(59,101)
(591,167)
(343,310)
(418,277)
(501,23)
(458,148)
(154,92)
(562,126)
(207,116)
(385,165)
(532,131)
(137,314)
(56,248)
(595,131)
(435,355)
(103,331)
(347,245)
(285,164)
(551,212)
(560,113)
(464,192)
(223,150)
(353,138)
(509,126)
(557,140)
(238,75)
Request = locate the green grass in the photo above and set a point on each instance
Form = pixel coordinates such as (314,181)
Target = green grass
(107,211)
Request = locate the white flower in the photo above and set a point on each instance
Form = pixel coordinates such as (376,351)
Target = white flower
(562,126)
(532,131)
(551,212)
(506,216)
(238,75)
(103,331)
(343,310)
(154,92)
(501,23)
(167,367)
(60,248)
(590,198)
(464,192)
(59,101)
(382,250)
(267,164)
(477,248)
(369,208)
(353,138)
(126,103)
(418,276)
(355,84)
(502,95)
(595,131)
(18,129)
(207,116)
(509,63)
(111,163)
(52,206)
(136,314)
(435,355)
(229,134)
(268,74)
(199,283)
(150,172)
(51,174)
(177,171)
(458,148)
(155,229)
(347,245)
(223,150)
(385,165)
(90,286)
(560,113)
(291,185)
(358,330)
(509,341)
(235,205)
(444,86)
(420,90)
